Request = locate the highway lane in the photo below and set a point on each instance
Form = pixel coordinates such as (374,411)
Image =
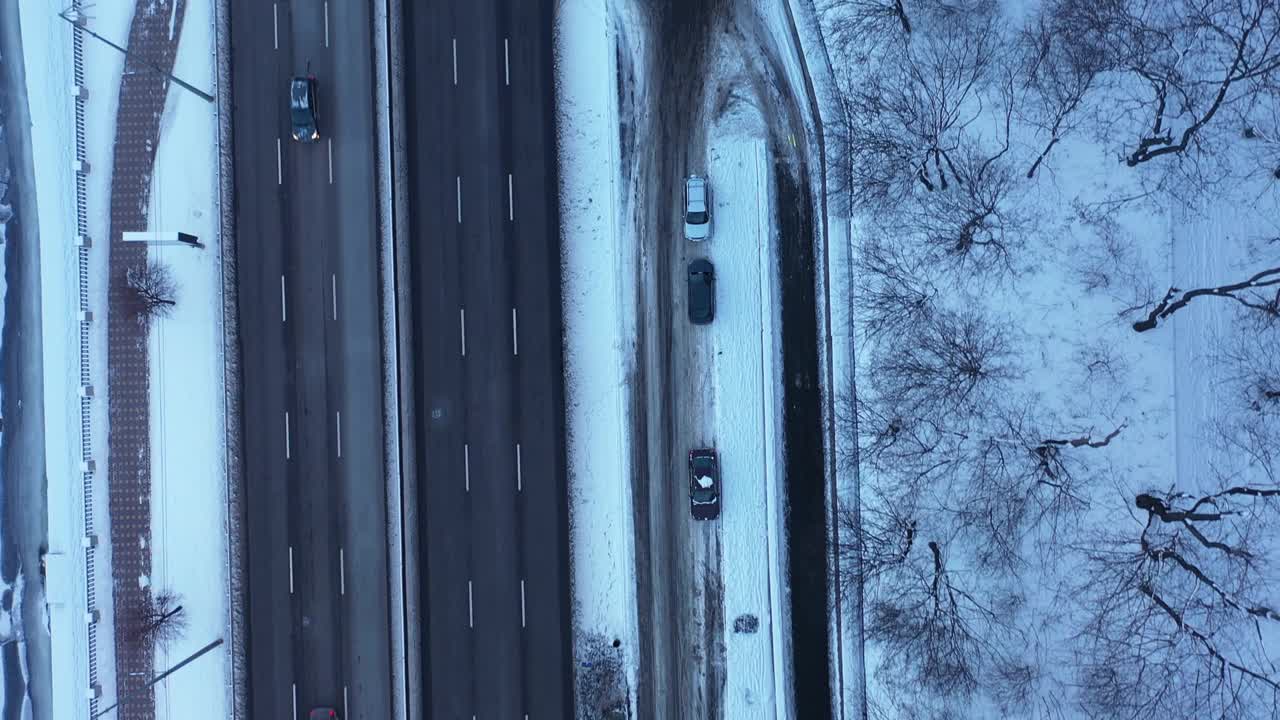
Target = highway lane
(485,279)
(318,624)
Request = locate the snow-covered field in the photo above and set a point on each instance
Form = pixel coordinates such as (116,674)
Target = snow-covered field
(1027,457)
(189,496)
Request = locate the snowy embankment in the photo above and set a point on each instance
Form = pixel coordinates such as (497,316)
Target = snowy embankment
(189,522)
(77,566)
(598,277)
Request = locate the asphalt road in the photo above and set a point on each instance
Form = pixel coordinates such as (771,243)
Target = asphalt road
(485,262)
(680,600)
(308,291)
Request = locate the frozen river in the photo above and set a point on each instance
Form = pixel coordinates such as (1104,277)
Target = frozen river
(24,660)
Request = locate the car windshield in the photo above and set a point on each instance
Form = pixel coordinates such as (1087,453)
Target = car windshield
(697,217)
(299,104)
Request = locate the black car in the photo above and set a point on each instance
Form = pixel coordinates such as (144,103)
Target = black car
(704,484)
(302,109)
(702,292)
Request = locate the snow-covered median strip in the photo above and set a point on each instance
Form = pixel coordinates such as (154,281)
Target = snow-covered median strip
(597,280)
(747,413)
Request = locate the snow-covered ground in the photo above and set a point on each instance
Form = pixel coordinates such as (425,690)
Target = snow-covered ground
(598,272)
(189,523)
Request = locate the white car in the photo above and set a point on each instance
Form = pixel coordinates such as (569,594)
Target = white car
(697,208)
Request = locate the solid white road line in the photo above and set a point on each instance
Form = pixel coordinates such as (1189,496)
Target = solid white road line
(290,569)
(326,23)
(284,306)
(471,608)
(511,208)
(519,474)
(515,335)
(295,699)
(275,33)
(455,61)
(506,60)
(333,285)
(457,188)
(287,454)
(462,319)
(279,165)
(522,602)
(342,575)
(330,161)
(345,712)
(466,466)
(338,424)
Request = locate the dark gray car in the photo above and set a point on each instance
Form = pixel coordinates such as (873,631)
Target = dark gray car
(704,484)
(302,109)
(702,292)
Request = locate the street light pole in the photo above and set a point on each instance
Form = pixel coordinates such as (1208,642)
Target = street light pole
(190,658)
(65,15)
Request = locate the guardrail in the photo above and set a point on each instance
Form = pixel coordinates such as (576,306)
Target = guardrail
(86,436)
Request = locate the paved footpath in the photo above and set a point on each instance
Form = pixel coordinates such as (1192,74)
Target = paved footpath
(142,98)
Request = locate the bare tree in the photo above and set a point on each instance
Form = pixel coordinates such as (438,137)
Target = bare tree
(861,26)
(948,365)
(151,291)
(1187,59)
(602,679)
(904,122)
(159,619)
(1251,369)
(974,229)
(877,540)
(894,292)
(1023,486)
(1245,292)
(937,632)
(1057,76)
(1176,615)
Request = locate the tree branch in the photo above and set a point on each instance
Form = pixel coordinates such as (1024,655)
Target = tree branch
(1165,307)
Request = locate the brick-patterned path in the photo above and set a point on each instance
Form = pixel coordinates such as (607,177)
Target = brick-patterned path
(142,100)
